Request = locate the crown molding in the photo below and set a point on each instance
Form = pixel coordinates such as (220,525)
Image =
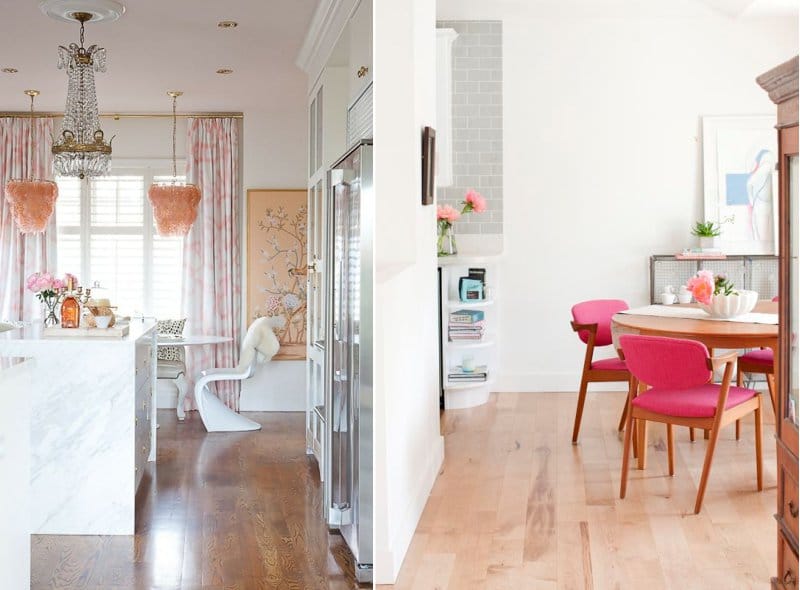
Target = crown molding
(781,83)
(326,27)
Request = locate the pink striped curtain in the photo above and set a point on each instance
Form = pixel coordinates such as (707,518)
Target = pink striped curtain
(21,255)
(212,273)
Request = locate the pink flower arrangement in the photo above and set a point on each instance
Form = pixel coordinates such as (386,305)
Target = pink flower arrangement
(46,286)
(446,215)
(704,285)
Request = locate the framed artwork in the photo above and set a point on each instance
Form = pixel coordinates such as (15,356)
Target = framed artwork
(428,170)
(740,182)
(276,264)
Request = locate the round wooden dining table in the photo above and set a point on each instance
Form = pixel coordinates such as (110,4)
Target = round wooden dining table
(714,334)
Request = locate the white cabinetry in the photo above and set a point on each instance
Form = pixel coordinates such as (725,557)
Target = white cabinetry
(467,390)
(359,32)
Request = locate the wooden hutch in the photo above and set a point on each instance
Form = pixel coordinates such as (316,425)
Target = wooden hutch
(781,83)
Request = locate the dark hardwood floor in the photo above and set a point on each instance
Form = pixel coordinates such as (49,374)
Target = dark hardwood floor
(233,511)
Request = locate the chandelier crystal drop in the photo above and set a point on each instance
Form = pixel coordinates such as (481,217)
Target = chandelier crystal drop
(81,150)
(175,204)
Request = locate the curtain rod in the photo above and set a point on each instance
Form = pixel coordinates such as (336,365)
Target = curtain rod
(117,116)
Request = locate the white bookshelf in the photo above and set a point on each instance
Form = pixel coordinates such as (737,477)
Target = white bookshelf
(460,394)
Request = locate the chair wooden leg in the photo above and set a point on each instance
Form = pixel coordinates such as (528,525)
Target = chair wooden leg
(739,381)
(772,394)
(691,434)
(759,461)
(642,444)
(579,410)
(701,491)
(626,451)
(623,416)
(670,450)
(635,439)
(705,434)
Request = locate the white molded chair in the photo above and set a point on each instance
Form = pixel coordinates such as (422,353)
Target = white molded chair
(217,417)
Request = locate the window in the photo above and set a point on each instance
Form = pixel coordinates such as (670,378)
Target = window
(107,237)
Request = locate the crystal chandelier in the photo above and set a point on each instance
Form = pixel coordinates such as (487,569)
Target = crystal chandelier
(31,200)
(81,150)
(174,203)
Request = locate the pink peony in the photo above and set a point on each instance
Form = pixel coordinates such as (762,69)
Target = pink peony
(447,213)
(475,201)
(702,286)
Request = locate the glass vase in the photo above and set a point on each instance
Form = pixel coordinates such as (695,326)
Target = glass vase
(50,318)
(446,242)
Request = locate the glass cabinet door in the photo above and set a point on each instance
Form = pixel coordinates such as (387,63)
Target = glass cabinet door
(789,214)
(790,413)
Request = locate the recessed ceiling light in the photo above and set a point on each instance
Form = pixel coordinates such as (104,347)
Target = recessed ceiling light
(227,24)
(224,71)
(10,70)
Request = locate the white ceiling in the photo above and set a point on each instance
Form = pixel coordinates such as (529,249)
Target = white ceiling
(481,9)
(160,45)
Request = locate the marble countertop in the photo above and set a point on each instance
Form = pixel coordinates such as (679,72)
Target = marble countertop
(31,335)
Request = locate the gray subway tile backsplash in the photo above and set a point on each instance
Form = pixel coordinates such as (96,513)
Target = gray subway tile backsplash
(477,123)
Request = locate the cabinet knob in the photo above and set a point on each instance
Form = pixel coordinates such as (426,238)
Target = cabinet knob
(792,508)
(362,71)
(136,421)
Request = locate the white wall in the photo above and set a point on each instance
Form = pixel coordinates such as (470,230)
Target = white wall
(275,156)
(408,446)
(603,159)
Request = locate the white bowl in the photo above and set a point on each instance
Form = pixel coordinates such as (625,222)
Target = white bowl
(102,321)
(729,306)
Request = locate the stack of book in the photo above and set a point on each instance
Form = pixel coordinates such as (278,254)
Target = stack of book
(466,324)
(459,375)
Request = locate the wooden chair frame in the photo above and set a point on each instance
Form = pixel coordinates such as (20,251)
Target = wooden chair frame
(714,424)
(590,375)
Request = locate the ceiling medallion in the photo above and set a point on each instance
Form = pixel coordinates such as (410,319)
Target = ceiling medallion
(227,24)
(81,150)
(224,71)
(10,70)
(174,203)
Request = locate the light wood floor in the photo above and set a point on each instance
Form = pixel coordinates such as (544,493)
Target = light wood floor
(222,511)
(517,506)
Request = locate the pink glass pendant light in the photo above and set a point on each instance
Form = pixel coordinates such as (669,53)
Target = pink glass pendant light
(174,203)
(32,201)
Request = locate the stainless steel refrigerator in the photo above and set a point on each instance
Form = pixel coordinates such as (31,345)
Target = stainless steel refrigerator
(348,391)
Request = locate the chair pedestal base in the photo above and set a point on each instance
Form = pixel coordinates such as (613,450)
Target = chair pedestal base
(217,417)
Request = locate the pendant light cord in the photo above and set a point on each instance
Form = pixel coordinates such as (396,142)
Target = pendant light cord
(174,131)
(30,143)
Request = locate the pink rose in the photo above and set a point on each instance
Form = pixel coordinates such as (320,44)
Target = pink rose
(702,286)
(31,282)
(475,201)
(58,284)
(447,213)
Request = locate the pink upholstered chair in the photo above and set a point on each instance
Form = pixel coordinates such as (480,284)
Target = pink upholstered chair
(678,373)
(760,362)
(592,322)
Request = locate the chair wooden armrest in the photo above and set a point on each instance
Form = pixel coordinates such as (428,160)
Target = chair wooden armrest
(715,362)
(576,327)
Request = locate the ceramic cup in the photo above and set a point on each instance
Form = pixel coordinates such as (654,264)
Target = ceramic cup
(468,364)
(668,298)
(102,321)
(685,297)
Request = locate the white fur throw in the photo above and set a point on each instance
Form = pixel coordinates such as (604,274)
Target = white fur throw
(260,340)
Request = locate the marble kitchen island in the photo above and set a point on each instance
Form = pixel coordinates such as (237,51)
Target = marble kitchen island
(92,426)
